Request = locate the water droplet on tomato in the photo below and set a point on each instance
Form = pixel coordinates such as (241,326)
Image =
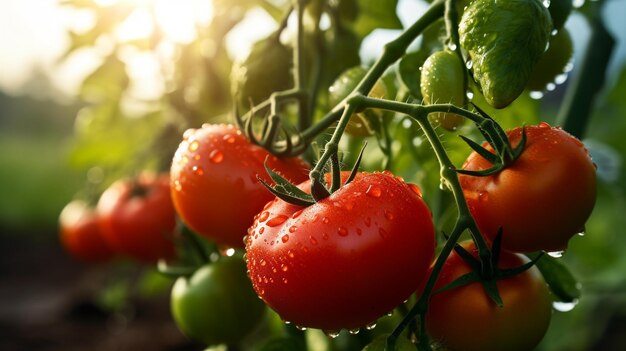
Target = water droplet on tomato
(314,218)
(245,239)
(564,306)
(349,205)
(543,125)
(285,238)
(193,146)
(264,216)
(325,220)
(342,231)
(229,138)
(290,254)
(354,331)
(359,231)
(332,333)
(389,215)
(263,263)
(373,191)
(261,230)
(284,267)
(390,313)
(325,236)
(536,95)
(416,189)
(276,221)
(177,185)
(296,214)
(483,196)
(188,133)
(292,229)
(284,280)
(216,156)
(197,170)
(370,326)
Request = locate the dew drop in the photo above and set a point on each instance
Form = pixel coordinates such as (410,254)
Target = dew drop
(197,170)
(359,231)
(536,95)
(276,221)
(292,229)
(284,267)
(246,238)
(193,146)
(564,306)
(229,138)
(382,232)
(544,125)
(332,333)
(286,322)
(451,46)
(546,3)
(373,191)
(469,64)
(325,236)
(216,156)
(264,216)
(290,254)
(389,215)
(556,254)
(354,331)
(285,280)
(285,238)
(470,95)
(561,78)
(416,189)
(370,326)
(177,185)
(263,263)
(188,133)
(390,313)
(578,3)
(296,214)
(300,328)
(261,230)
(342,231)
(550,86)
(325,220)
(349,205)
(582,233)
(313,240)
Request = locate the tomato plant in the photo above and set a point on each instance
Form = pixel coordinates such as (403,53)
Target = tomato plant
(214,181)
(217,303)
(137,217)
(342,262)
(80,233)
(466,318)
(542,199)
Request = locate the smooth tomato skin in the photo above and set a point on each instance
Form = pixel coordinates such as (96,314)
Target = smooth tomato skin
(465,318)
(80,233)
(342,262)
(137,217)
(542,199)
(217,303)
(214,185)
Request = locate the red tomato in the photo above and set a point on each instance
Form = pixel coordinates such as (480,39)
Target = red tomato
(214,184)
(542,199)
(343,261)
(137,217)
(465,318)
(80,234)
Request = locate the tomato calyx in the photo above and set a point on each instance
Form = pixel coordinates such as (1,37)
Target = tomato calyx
(504,154)
(288,192)
(201,256)
(487,279)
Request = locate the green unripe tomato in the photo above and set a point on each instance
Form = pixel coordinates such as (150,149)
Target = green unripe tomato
(442,82)
(560,11)
(344,85)
(266,69)
(217,303)
(378,344)
(504,40)
(552,62)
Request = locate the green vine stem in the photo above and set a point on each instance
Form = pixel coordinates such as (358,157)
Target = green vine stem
(304,118)
(392,52)
(576,108)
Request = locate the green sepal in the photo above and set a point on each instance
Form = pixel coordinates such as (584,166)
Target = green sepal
(491,288)
(463,280)
(486,154)
(297,200)
(355,168)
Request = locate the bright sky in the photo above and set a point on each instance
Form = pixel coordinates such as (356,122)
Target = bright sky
(33,36)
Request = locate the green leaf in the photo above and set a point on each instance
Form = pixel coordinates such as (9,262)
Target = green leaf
(107,82)
(371,15)
(562,283)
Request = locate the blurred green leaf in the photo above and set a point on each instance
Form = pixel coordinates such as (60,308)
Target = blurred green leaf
(409,71)
(368,15)
(107,82)
(558,277)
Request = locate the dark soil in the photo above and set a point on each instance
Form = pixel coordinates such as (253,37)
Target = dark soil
(47,303)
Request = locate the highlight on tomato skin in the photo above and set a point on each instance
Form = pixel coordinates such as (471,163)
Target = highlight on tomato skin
(137,217)
(540,200)
(214,181)
(344,261)
(80,234)
(466,318)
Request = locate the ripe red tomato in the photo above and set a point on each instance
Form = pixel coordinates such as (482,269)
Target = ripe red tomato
(214,184)
(542,199)
(80,234)
(137,217)
(465,318)
(343,261)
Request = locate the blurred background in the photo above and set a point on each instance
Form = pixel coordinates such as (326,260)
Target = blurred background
(87,86)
